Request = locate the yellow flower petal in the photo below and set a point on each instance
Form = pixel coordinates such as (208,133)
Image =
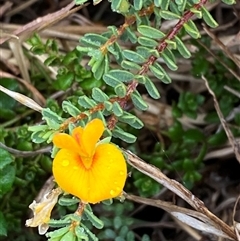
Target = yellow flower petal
(105,179)
(62,140)
(67,167)
(91,134)
(108,173)
(77,133)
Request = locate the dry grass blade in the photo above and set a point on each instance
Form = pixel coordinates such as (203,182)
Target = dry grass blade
(236,93)
(192,218)
(20,7)
(235,145)
(235,223)
(43,22)
(219,60)
(181,191)
(7,5)
(17,51)
(22,99)
(222,46)
(37,96)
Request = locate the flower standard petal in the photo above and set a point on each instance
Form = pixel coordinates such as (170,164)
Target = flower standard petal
(108,173)
(91,134)
(62,140)
(77,135)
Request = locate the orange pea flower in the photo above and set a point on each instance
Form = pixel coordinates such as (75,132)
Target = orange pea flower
(86,169)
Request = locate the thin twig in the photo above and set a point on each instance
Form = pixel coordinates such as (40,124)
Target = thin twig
(235,145)
(19,153)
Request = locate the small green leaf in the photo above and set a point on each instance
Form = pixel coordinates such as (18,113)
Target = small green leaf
(131,35)
(207,17)
(57,233)
(151,89)
(193,136)
(169,62)
(165,4)
(82,49)
(120,90)
(67,201)
(38,128)
(181,5)
(121,134)
(166,79)
(138,124)
(169,15)
(138,4)
(90,83)
(117,109)
(108,105)
(96,63)
(157,3)
(182,48)
(118,50)
(64,81)
(102,68)
(69,57)
(49,115)
(99,95)
(3,225)
(91,236)
(217,139)
(93,40)
(68,107)
(69,236)
(111,80)
(115,76)
(130,65)
(156,71)
(96,222)
(133,56)
(144,51)
(6,158)
(150,32)
(80,232)
(229,2)
(171,44)
(138,101)
(52,60)
(6,102)
(127,118)
(197,12)
(86,102)
(176,131)
(191,29)
(131,120)
(147,42)
(141,78)
(37,136)
(121,6)
(7,173)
